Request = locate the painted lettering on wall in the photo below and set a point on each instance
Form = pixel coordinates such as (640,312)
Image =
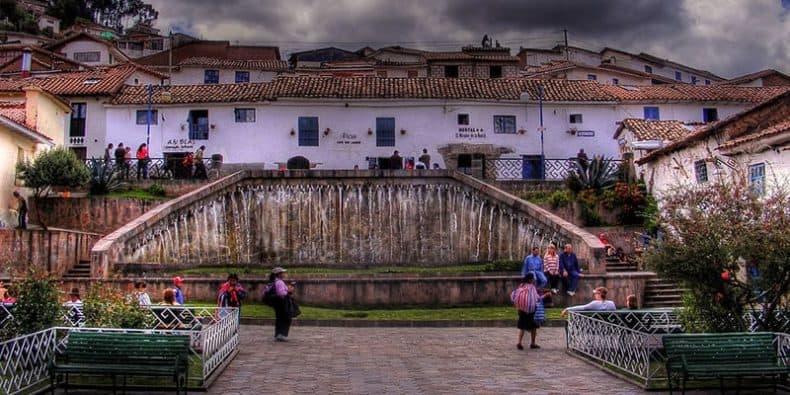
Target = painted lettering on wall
(348,138)
(470,133)
(179,144)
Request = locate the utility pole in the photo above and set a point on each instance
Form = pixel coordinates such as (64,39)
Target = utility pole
(148,117)
(542,129)
(567,56)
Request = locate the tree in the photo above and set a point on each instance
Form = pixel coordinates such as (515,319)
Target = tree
(58,167)
(731,249)
(37,306)
(116,14)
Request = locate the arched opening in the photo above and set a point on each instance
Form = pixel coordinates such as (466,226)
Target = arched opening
(298,163)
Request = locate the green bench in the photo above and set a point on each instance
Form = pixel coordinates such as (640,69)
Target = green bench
(122,354)
(723,355)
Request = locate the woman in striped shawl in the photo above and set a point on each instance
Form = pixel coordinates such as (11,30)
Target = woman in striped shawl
(525,298)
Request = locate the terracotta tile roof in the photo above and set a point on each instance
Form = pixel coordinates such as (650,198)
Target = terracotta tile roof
(692,93)
(376,88)
(753,76)
(100,81)
(220,63)
(12,84)
(463,56)
(210,49)
(14,111)
(116,53)
(654,130)
(776,104)
(775,130)
(42,60)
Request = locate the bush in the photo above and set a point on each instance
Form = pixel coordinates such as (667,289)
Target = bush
(156,190)
(37,306)
(107,307)
(558,199)
(598,174)
(503,266)
(104,178)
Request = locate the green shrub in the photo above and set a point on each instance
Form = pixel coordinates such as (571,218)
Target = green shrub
(156,190)
(503,266)
(559,199)
(37,306)
(104,178)
(107,307)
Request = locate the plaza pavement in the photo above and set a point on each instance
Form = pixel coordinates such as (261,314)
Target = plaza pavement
(320,360)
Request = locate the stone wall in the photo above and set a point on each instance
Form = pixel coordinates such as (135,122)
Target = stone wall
(97,214)
(55,251)
(398,290)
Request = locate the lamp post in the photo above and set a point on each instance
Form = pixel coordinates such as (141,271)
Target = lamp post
(542,129)
(148,117)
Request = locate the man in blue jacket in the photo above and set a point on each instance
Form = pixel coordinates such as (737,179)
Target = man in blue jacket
(534,264)
(570,270)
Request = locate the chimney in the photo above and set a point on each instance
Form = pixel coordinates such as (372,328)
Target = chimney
(26,61)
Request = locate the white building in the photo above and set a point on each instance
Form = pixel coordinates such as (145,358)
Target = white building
(640,136)
(340,122)
(88,49)
(752,144)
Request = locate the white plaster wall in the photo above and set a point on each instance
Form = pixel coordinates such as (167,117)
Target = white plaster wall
(397,57)
(584,57)
(195,75)
(88,46)
(686,112)
(605,77)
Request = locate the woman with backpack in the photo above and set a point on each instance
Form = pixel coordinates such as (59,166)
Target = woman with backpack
(278,295)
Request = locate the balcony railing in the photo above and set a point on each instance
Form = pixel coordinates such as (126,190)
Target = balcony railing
(159,168)
(530,168)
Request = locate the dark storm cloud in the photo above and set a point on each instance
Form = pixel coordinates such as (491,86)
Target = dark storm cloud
(708,34)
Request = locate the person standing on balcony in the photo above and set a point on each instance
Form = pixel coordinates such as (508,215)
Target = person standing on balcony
(396,161)
(127,161)
(120,152)
(581,157)
(21,210)
(200,167)
(570,271)
(142,161)
(178,294)
(425,158)
(108,154)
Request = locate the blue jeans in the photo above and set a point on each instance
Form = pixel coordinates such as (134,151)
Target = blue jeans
(571,281)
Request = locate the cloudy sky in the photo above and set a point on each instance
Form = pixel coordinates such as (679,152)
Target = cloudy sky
(726,37)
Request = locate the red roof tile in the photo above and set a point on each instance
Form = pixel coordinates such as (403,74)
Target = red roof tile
(220,63)
(691,93)
(100,81)
(776,130)
(14,111)
(654,130)
(753,76)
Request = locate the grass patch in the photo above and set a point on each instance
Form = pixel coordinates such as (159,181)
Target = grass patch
(264,271)
(136,194)
(417,313)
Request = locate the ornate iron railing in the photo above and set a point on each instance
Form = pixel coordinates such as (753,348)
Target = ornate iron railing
(157,168)
(531,168)
(214,335)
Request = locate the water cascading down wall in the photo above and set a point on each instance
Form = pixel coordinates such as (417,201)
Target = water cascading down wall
(333,218)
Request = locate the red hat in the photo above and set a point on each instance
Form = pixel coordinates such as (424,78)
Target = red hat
(177,280)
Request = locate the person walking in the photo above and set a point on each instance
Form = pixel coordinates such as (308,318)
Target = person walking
(280,293)
(142,161)
(425,158)
(534,264)
(21,210)
(598,304)
(526,300)
(230,294)
(551,265)
(177,292)
(570,270)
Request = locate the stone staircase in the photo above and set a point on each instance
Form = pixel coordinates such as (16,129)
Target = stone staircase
(662,293)
(615,264)
(81,270)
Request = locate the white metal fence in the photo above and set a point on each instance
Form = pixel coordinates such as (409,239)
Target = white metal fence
(214,338)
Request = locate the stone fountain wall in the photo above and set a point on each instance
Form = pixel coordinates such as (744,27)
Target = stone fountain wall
(341,218)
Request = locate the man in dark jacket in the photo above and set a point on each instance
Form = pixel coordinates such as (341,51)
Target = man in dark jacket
(570,270)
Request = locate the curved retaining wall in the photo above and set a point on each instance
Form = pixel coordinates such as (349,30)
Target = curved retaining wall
(326,218)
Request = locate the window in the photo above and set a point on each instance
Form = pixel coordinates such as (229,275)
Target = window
(211,76)
(463,119)
(450,71)
(245,115)
(757,178)
(77,126)
(242,77)
(615,81)
(707,82)
(592,77)
(308,131)
(701,171)
(505,124)
(652,113)
(710,115)
(142,117)
(411,73)
(198,125)
(678,76)
(92,56)
(576,118)
(385,132)
(693,80)
(495,71)
(648,69)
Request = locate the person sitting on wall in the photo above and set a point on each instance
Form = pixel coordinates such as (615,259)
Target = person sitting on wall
(599,304)
(534,264)
(570,270)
